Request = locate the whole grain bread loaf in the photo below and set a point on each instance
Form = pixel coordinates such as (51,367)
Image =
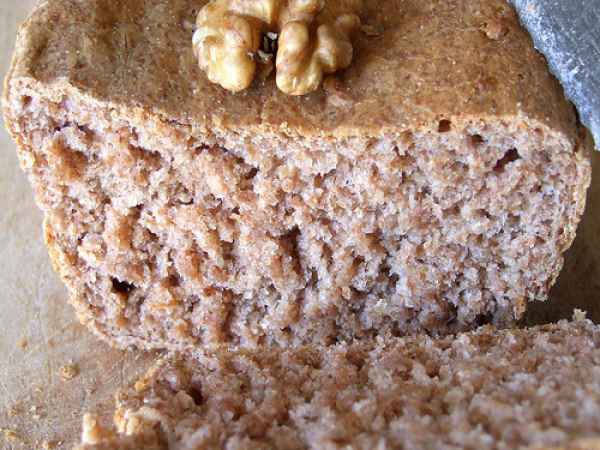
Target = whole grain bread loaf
(432,186)
(488,389)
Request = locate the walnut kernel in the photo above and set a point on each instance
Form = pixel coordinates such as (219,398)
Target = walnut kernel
(69,371)
(314,38)
(93,432)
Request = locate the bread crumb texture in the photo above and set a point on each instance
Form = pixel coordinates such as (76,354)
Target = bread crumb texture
(433,186)
(535,388)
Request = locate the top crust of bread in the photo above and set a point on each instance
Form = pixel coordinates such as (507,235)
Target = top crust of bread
(137,54)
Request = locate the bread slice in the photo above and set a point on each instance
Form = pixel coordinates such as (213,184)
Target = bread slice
(488,389)
(432,186)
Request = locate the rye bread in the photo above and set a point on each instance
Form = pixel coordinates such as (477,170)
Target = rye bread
(431,187)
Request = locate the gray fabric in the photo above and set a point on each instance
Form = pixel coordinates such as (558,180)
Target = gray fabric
(567,32)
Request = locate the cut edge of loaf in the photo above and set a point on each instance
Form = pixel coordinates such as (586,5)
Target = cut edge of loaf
(536,388)
(171,235)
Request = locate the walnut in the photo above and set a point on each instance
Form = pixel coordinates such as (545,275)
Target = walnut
(313,38)
(93,432)
(69,371)
(225,43)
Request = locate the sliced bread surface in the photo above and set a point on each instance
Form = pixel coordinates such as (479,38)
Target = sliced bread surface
(536,388)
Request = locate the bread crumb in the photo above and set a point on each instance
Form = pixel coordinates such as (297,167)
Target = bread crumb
(35,410)
(90,391)
(23,343)
(494,29)
(14,410)
(11,435)
(579,315)
(49,445)
(140,385)
(69,371)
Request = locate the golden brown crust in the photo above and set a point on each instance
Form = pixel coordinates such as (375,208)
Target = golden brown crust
(433,60)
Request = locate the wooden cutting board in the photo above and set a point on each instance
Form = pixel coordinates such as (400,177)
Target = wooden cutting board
(52,370)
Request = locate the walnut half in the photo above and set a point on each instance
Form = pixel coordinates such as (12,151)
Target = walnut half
(314,38)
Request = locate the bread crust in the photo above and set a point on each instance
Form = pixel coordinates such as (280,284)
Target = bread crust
(432,61)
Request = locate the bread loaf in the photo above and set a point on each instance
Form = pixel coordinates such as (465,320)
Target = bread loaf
(537,388)
(432,186)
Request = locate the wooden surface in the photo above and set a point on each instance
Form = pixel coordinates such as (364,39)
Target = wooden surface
(39,334)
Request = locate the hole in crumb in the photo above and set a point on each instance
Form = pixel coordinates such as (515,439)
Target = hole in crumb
(251,173)
(452,211)
(227,249)
(196,394)
(484,213)
(122,287)
(483,319)
(174,280)
(444,126)
(84,129)
(509,156)
(184,196)
(475,140)
(291,245)
(318,181)
(25,101)
(452,317)
(397,330)
(199,149)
